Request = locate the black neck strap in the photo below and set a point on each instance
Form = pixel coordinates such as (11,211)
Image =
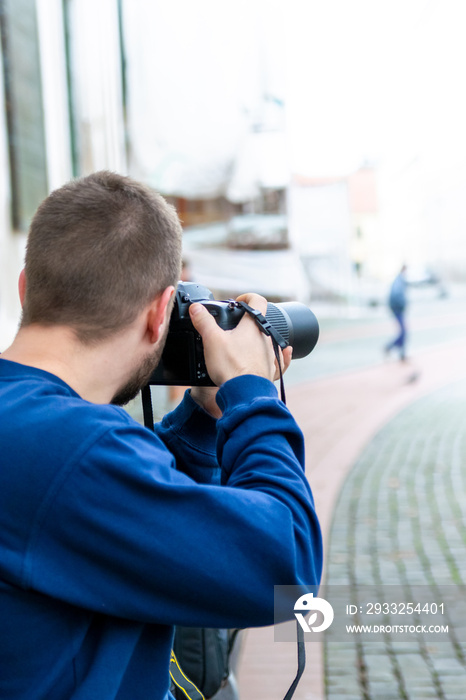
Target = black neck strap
(147,407)
(301,662)
(277,340)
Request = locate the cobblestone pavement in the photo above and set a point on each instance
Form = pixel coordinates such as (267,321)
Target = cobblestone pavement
(401,519)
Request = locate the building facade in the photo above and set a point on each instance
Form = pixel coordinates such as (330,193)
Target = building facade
(61,115)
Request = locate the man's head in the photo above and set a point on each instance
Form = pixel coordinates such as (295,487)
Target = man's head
(99,250)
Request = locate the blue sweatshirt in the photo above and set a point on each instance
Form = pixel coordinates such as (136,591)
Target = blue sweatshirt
(107,540)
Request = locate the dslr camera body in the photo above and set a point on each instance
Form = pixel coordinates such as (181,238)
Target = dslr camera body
(183,363)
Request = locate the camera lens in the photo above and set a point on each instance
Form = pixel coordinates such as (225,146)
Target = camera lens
(296,324)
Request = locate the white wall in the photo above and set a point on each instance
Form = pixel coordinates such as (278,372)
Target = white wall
(54,91)
(96,70)
(320,232)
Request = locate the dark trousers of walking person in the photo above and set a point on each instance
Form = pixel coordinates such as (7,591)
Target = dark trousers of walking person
(400,340)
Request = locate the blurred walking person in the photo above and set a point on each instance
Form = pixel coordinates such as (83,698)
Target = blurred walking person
(397,302)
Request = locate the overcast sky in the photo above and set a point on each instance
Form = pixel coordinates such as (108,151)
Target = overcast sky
(375,79)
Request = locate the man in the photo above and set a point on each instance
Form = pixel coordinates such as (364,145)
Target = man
(104,543)
(397,302)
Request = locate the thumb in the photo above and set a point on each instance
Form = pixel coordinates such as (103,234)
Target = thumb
(203,322)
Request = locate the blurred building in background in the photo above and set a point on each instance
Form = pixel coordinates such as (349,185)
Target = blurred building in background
(333,224)
(194,99)
(61,114)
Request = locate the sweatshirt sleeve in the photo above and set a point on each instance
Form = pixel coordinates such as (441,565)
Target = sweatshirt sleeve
(190,433)
(123,533)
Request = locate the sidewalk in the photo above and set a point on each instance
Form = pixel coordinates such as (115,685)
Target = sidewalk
(340,416)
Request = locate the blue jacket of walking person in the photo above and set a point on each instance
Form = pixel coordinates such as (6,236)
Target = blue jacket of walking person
(397,299)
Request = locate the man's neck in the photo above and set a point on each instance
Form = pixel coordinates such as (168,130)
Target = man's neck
(93,371)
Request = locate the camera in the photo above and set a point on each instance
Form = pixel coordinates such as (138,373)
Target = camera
(182,361)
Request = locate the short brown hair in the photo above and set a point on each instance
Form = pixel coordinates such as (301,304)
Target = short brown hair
(99,249)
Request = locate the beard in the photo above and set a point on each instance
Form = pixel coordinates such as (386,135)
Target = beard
(140,376)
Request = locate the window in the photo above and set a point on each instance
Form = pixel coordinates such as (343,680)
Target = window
(24,110)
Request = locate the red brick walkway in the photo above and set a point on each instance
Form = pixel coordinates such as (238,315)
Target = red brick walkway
(338,415)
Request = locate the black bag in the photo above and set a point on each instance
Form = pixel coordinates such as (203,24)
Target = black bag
(203,654)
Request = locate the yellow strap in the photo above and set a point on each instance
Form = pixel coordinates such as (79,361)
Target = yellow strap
(191,691)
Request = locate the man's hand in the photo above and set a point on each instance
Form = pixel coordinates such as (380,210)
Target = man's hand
(243,350)
(205,397)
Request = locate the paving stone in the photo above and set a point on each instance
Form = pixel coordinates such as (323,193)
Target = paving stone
(423,694)
(411,512)
(383,691)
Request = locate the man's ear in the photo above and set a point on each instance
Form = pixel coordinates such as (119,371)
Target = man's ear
(22,286)
(159,314)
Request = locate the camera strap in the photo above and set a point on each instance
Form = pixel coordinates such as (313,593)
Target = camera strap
(301,662)
(277,340)
(147,407)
